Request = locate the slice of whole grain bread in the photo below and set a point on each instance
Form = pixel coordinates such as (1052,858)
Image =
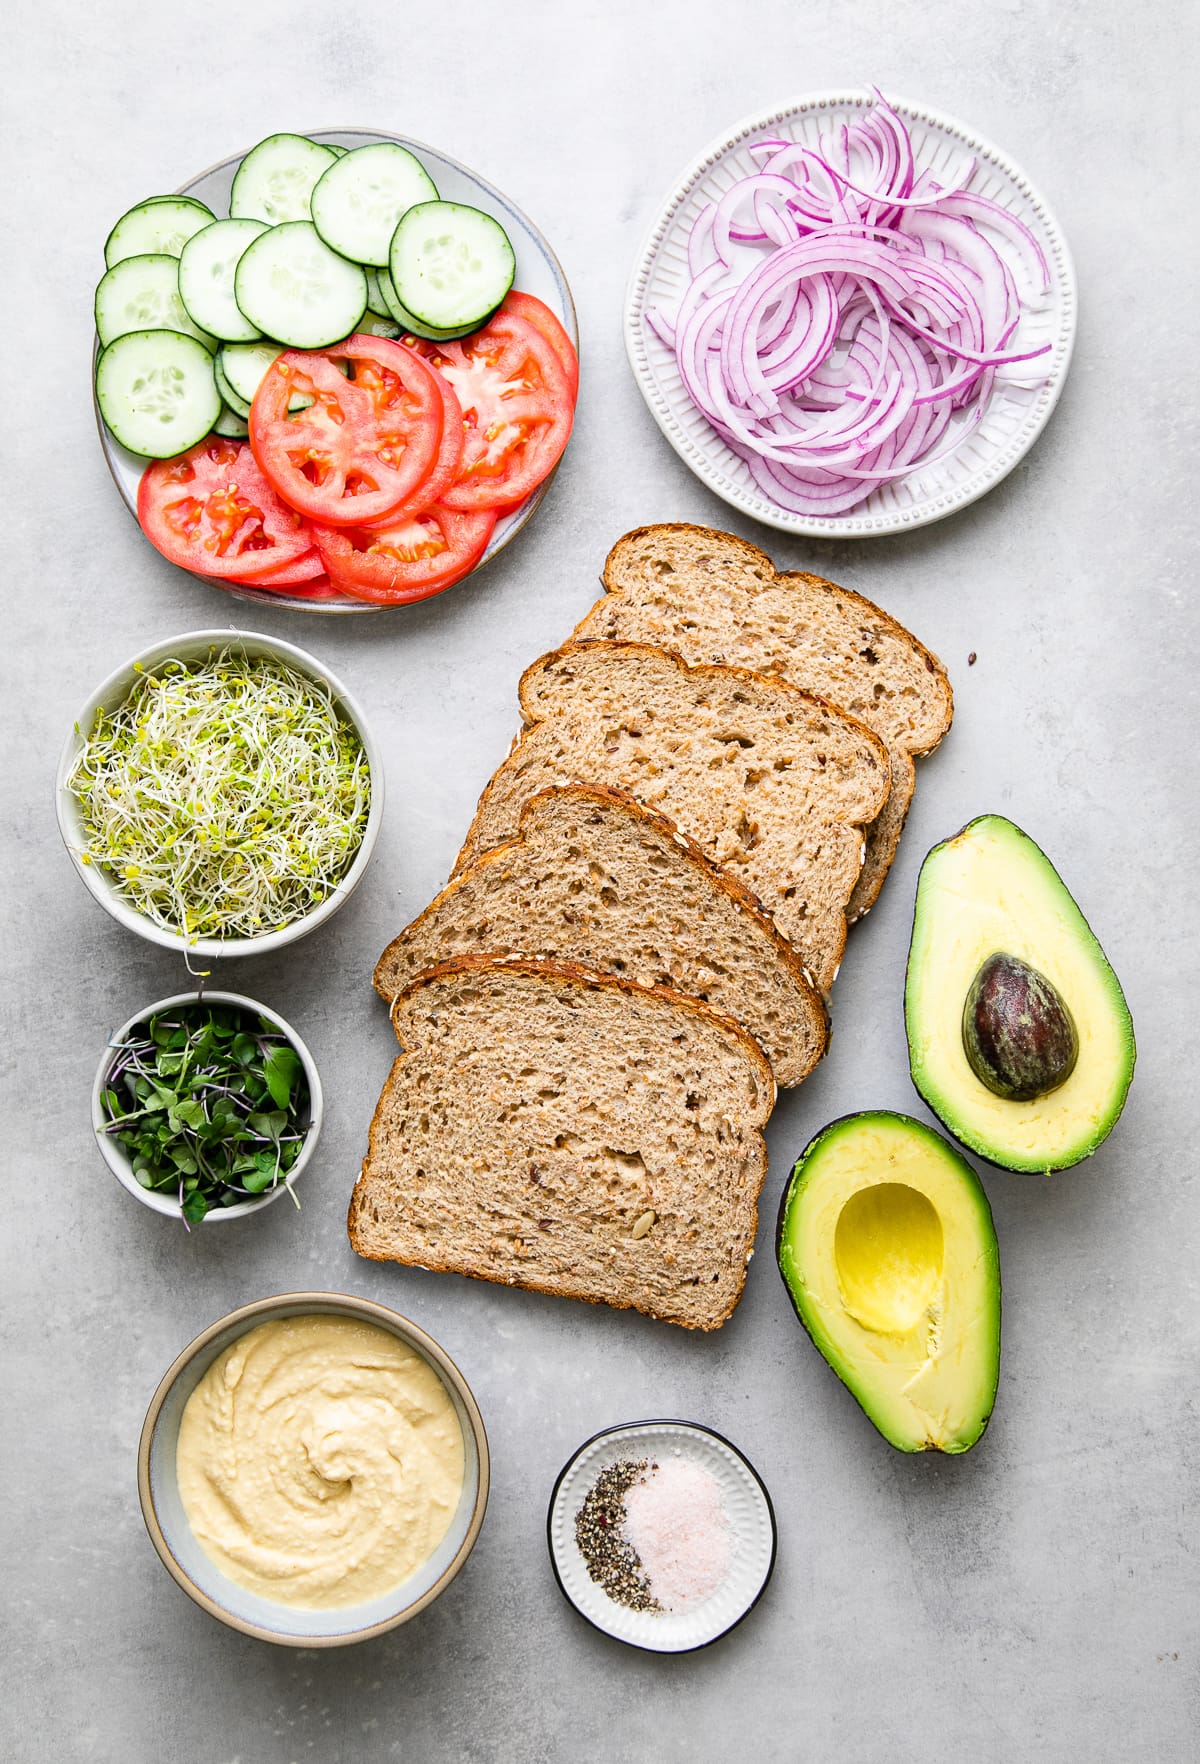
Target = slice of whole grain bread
(712,597)
(773,784)
(571,1133)
(597,879)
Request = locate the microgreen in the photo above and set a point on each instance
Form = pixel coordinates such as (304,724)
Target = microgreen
(224,798)
(211,1103)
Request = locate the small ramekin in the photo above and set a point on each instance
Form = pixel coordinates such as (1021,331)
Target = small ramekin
(118,1159)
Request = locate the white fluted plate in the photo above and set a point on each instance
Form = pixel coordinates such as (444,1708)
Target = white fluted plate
(747,1508)
(1015,415)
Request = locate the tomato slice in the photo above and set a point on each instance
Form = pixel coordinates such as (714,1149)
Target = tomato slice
(317,587)
(305,569)
(367,441)
(445,466)
(320,588)
(528,306)
(517,409)
(419,556)
(212,511)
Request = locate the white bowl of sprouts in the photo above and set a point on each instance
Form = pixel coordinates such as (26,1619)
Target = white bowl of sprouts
(221,794)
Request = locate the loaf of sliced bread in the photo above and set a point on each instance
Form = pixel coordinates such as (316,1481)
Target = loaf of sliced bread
(568,1132)
(595,878)
(712,597)
(774,785)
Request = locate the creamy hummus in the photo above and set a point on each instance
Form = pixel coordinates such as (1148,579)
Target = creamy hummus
(320,1461)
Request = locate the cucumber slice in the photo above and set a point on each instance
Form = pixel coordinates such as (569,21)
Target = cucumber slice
(332,147)
(450,265)
(240,406)
(206,269)
(358,201)
(276,179)
(156,392)
(230,424)
(293,287)
(142,294)
(160,226)
(377,324)
(398,311)
(241,366)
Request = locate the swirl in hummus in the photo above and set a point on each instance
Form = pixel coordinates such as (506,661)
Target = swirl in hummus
(320,1461)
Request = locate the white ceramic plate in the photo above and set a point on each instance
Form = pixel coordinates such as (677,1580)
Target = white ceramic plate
(747,1507)
(1015,415)
(538,272)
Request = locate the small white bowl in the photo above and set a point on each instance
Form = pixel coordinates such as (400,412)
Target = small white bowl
(118,1159)
(194,1569)
(194,646)
(748,1511)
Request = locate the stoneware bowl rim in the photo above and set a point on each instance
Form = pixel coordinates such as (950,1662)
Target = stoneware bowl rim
(237,1323)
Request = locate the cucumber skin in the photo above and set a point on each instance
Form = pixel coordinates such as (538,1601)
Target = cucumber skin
(111,260)
(236,404)
(229,424)
(202,336)
(247,326)
(237,202)
(409,324)
(318,339)
(499,288)
(378,253)
(223,363)
(124,345)
(238,398)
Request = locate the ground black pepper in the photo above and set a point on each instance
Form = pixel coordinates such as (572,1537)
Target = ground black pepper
(610,1560)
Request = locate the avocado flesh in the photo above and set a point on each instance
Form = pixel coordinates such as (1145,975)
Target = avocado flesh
(991,888)
(887,1249)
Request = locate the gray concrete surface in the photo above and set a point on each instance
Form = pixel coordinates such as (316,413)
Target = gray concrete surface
(1037,1600)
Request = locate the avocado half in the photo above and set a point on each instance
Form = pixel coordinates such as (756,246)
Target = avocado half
(991,889)
(887,1248)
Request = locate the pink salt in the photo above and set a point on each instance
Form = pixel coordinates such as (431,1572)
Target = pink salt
(676,1522)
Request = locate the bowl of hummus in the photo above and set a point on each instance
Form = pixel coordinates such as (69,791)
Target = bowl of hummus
(313,1469)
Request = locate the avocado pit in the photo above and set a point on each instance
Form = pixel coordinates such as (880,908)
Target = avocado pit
(1018,1033)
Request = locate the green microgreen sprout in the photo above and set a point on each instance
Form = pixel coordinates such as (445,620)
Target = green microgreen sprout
(212,1104)
(225,798)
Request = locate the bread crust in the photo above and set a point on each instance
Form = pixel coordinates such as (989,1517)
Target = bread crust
(710,670)
(584,794)
(576,974)
(573,974)
(835,607)
(722,675)
(753,554)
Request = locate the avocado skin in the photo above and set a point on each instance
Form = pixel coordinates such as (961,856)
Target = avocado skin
(989,1258)
(1094,1129)
(1019,1037)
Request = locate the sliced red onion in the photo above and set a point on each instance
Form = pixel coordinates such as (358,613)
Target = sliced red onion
(842,307)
